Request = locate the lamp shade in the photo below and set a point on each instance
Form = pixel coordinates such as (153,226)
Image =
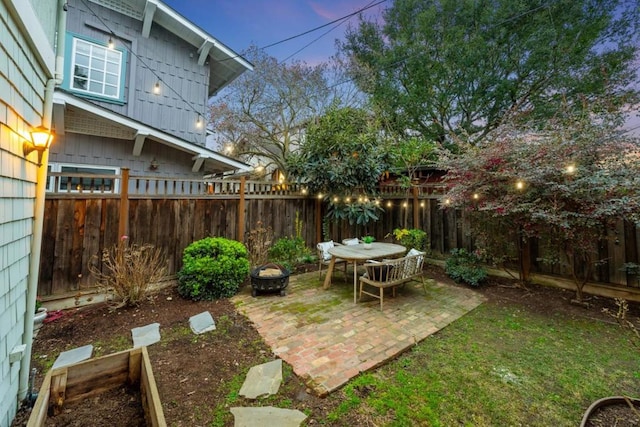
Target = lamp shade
(41,138)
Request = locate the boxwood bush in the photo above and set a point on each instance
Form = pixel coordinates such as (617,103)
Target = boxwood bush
(212,268)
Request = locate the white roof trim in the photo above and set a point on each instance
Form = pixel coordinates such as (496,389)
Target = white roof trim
(203,35)
(150,132)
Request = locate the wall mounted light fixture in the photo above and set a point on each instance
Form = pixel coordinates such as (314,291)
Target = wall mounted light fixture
(41,138)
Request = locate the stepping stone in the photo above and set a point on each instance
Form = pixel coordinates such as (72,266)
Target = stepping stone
(72,356)
(201,323)
(146,335)
(267,416)
(262,380)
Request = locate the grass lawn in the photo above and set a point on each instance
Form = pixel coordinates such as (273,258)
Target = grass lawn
(499,365)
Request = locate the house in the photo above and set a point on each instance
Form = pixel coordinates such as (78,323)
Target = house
(137,78)
(58,71)
(27,72)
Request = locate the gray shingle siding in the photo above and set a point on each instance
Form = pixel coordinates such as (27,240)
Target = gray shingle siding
(161,55)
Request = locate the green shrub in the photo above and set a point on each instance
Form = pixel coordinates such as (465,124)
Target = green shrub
(212,268)
(463,266)
(288,251)
(412,238)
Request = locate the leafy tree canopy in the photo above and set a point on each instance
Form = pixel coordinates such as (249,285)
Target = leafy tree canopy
(341,158)
(563,183)
(262,113)
(446,67)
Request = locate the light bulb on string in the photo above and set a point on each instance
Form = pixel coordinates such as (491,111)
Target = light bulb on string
(111,44)
(156,88)
(199,122)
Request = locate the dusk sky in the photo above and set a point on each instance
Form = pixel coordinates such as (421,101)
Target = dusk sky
(241,23)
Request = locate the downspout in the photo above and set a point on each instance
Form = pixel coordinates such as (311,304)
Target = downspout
(41,185)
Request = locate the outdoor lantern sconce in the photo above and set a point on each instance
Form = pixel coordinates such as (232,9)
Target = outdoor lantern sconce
(41,138)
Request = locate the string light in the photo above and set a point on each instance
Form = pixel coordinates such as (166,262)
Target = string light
(405,204)
(388,204)
(571,169)
(320,195)
(422,204)
(304,191)
(156,88)
(336,199)
(519,185)
(476,196)
(447,201)
(199,122)
(111,44)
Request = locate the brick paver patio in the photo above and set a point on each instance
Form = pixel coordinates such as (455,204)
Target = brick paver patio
(328,339)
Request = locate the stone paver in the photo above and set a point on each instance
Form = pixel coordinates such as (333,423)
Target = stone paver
(262,380)
(266,416)
(146,335)
(328,339)
(201,323)
(72,356)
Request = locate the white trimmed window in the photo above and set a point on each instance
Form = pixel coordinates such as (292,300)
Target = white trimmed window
(74,178)
(96,70)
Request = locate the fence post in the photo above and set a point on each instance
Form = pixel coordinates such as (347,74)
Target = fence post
(318,220)
(241,216)
(416,208)
(123,220)
(631,250)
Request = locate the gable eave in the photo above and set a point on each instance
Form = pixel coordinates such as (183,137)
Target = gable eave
(129,128)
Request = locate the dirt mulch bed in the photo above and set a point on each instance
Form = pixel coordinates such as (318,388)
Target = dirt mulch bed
(198,374)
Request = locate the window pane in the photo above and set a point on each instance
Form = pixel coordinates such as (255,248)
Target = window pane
(82,60)
(95,87)
(111,79)
(90,63)
(86,182)
(114,56)
(97,64)
(113,68)
(82,47)
(97,76)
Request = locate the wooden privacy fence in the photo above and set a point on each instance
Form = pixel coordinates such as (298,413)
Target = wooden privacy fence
(84,214)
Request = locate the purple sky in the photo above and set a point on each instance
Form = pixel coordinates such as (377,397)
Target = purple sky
(240,23)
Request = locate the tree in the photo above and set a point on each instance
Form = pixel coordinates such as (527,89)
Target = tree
(263,113)
(341,159)
(447,67)
(563,184)
(408,156)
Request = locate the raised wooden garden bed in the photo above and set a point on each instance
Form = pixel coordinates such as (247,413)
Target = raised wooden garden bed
(92,377)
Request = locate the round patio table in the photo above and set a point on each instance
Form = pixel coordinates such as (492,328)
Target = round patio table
(358,253)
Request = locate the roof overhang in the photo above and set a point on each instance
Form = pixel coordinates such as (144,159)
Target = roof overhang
(225,65)
(70,112)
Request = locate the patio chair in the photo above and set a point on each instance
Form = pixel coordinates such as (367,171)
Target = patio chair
(324,257)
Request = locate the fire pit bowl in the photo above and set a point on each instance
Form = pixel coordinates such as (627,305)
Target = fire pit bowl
(269,278)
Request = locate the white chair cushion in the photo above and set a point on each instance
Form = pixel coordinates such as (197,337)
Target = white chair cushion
(324,247)
(414,251)
(349,242)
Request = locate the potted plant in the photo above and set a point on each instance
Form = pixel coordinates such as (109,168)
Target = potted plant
(368,240)
(40,315)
